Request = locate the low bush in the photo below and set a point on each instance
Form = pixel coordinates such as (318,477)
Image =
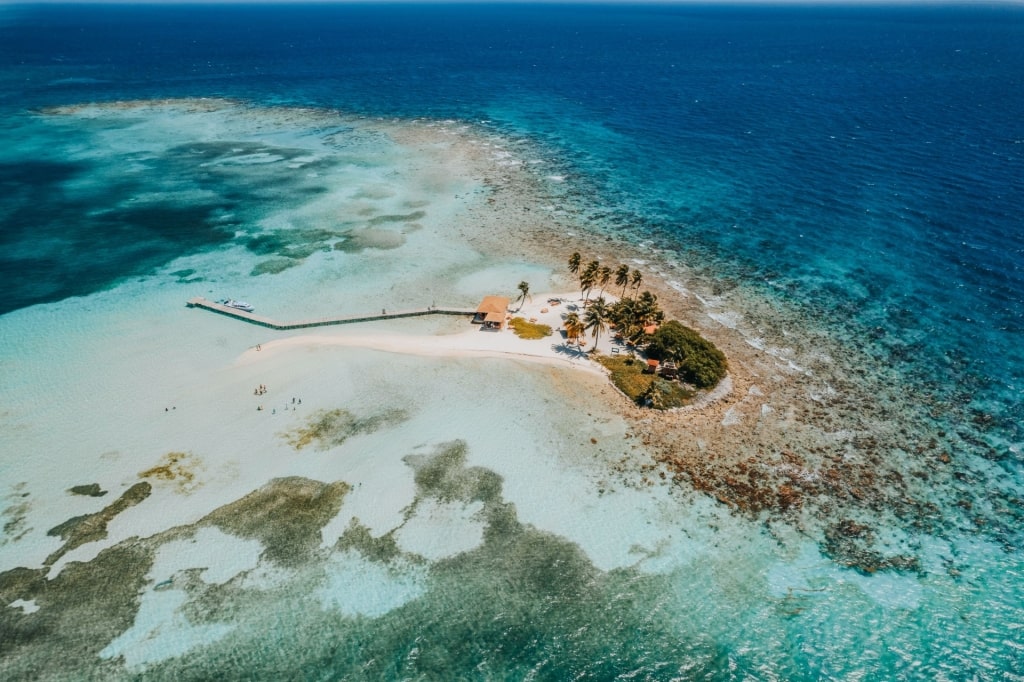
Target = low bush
(525,329)
(645,389)
(700,362)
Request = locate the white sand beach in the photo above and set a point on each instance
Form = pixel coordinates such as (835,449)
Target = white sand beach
(469,340)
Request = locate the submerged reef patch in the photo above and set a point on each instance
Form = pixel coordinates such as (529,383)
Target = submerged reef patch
(522,602)
(178,468)
(15,514)
(90,490)
(286,515)
(293,243)
(849,543)
(370,238)
(358,537)
(443,474)
(397,218)
(90,603)
(80,610)
(330,428)
(186,276)
(273,266)
(292,246)
(79,530)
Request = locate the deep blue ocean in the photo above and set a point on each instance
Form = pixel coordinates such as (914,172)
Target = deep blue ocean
(863,166)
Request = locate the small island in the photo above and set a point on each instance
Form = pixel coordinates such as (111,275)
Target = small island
(665,363)
(656,363)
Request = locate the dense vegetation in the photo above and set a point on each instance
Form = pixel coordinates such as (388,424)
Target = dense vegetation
(638,319)
(700,363)
(644,388)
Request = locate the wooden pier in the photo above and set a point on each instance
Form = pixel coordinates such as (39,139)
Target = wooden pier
(200,302)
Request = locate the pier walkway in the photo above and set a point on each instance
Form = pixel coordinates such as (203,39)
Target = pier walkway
(200,302)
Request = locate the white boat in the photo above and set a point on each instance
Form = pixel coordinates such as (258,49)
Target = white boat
(239,305)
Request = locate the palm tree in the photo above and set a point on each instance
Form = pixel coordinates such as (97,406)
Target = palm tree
(573,327)
(574,263)
(632,315)
(604,275)
(623,314)
(636,279)
(589,278)
(622,278)
(524,293)
(646,309)
(596,319)
(587,281)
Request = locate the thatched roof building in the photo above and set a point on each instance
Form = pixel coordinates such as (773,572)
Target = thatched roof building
(491,312)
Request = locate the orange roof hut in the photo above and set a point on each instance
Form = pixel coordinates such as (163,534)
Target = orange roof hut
(491,312)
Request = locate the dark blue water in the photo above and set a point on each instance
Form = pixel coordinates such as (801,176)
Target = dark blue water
(863,166)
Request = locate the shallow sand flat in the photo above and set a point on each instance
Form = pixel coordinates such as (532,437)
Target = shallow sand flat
(235,449)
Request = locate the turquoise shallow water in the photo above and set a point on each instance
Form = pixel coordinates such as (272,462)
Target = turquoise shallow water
(859,169)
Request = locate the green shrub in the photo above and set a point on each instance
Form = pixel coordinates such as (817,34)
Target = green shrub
(700,362)
(645,389)
(664,395)
(529,330)
(626,373)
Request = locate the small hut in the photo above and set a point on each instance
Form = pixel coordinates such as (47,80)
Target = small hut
(668,370)
(491,312)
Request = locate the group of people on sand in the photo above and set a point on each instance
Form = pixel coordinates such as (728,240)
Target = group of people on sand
(263,389)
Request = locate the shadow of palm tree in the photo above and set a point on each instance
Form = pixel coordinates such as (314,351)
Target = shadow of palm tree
(569,350)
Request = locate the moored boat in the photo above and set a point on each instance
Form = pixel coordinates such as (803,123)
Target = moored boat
(239,305)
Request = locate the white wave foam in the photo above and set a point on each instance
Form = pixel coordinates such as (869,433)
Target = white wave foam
(732,417)
(678,286)
(728,319)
